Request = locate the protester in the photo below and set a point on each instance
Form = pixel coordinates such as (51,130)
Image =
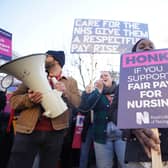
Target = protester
(107,137)
(140,141)
(35,133)
(87,132)
(69,156)
(6,136)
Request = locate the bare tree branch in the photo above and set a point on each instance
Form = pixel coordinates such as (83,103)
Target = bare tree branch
(80,71)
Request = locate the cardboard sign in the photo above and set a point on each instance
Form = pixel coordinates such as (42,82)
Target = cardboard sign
(94,36)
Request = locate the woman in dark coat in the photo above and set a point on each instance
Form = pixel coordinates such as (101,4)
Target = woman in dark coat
(140,141)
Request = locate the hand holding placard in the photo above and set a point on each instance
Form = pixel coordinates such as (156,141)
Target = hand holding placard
(156,156)
(149,139)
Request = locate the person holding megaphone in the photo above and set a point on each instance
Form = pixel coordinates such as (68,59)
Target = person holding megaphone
(36,131)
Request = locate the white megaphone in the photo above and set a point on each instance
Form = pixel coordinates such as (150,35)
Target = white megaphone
(31,71)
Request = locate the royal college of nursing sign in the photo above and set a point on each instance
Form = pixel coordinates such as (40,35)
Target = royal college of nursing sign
(91,36)
(143,90)
(5,45)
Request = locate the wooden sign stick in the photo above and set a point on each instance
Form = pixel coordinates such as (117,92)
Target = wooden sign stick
(156,157)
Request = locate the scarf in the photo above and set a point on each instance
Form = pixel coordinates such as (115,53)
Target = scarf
(58,77)
(109,90)
(109,93)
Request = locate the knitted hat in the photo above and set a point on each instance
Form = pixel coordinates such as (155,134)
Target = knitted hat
(58,56)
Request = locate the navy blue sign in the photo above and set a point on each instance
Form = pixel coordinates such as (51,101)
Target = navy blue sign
(143,98)
(106,36)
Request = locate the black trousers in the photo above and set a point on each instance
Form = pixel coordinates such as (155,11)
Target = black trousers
(47,144)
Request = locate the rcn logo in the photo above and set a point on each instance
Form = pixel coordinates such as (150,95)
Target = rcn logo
(142,118)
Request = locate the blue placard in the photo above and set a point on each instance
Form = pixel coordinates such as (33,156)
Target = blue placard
(106,36)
